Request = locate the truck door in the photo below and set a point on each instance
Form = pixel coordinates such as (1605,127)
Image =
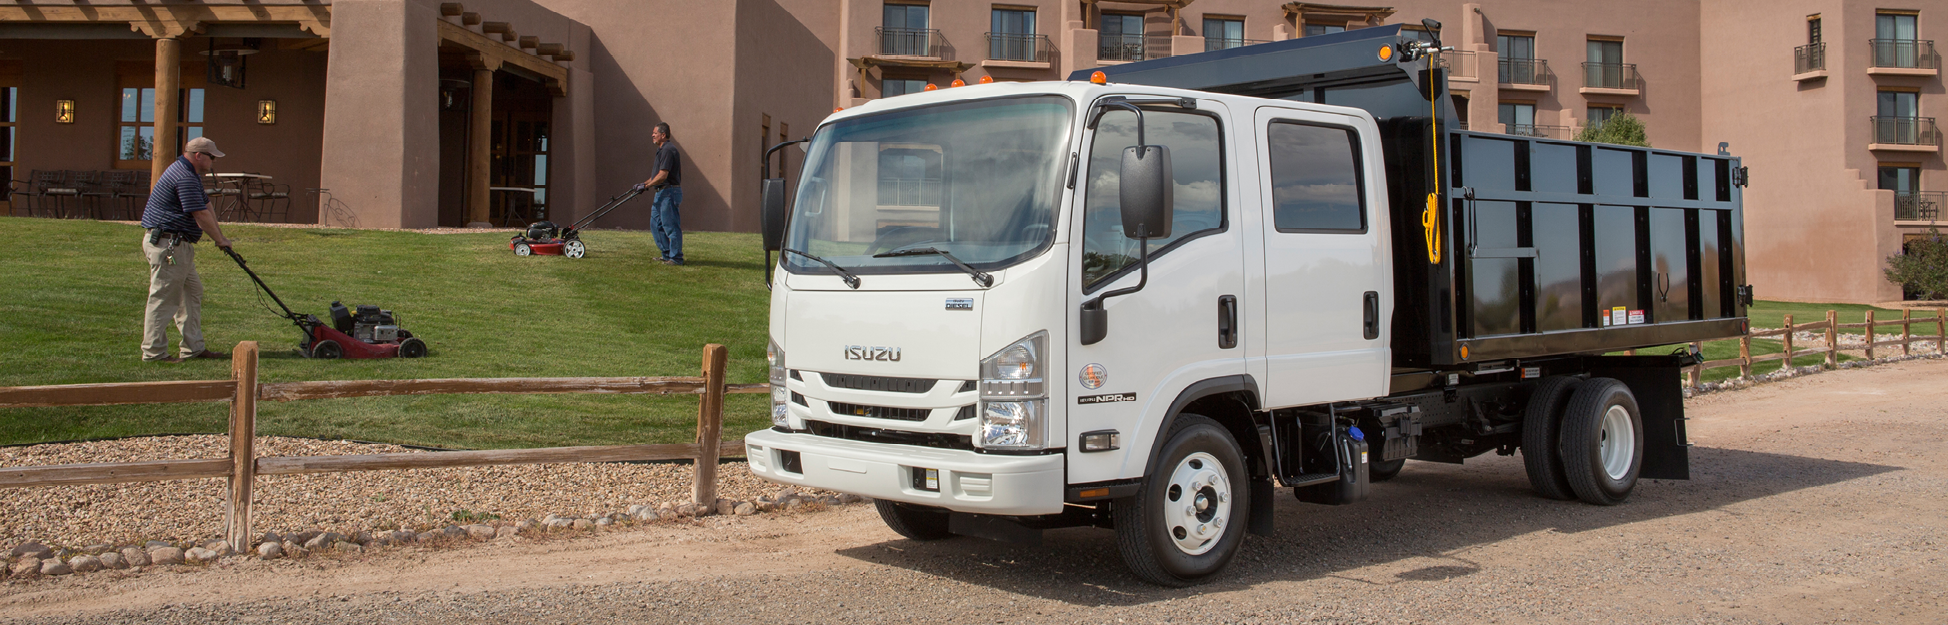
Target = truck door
(1167,336)
(1326,287)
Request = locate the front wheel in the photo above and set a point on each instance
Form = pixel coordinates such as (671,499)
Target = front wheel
(912,521)
(1187,519)
(327,349)
(522,249)
(1602,442)
(412,348)
(573,248)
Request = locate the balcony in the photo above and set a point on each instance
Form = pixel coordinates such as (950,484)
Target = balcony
(1131,47)
(1524,74)
(1905,134)
(1460,66)
(917,43)
(1610,79)
(1918,205)
(1903,57)
(1809,61)
(1019,50)
(1540,132)
(1213,44)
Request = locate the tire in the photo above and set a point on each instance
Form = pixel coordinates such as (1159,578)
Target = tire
(522,249)
(573,248)
(1541,429)
(1189,516)
(1599,457)
(1384,470)
(327,349)
(913,522)
(412,348)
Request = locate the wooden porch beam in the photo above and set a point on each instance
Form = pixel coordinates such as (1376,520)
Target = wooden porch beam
(174,20)
(498,54)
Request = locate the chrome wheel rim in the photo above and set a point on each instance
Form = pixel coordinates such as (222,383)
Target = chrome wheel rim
(521,249)
(1619,442)
(1197,503)
(573,249)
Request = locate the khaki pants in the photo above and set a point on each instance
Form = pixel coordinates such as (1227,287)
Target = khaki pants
(175,292)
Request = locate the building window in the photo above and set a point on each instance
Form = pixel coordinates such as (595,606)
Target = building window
(1812,56)
(903,31)
(1812,28)
(1518,119)
(9,115)
(1011,35)
(1121,38)
(1895,42)
(1905,181)
(134,145)
(900,86)
(1518,65)
(1312,29)
(1605,68)
(1222,33)
(1600,114)
(1897,119)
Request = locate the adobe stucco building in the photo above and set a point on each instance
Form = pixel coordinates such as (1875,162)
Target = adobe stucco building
(379,100)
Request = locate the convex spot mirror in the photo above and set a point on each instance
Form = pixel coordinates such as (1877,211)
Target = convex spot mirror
(1145,192)
(772,219)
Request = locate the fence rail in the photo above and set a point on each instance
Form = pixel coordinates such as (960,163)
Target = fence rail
(243,464)
(1831,351)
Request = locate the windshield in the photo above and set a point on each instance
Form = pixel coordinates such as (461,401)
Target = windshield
(978,180)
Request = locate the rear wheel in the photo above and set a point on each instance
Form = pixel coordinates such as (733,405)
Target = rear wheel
(1541,427)
(1602,442)
(522,249)
(327,349)
(1187,519)
(412,348)
(913,522)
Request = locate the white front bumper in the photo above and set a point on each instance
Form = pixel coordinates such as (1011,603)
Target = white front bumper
(969,481)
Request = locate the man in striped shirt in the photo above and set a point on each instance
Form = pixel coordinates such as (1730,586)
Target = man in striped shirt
(176,218)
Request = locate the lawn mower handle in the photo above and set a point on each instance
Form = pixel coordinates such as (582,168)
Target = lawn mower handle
(260,284)
(612,204)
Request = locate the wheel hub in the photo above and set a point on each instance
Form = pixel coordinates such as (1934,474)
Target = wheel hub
(1618,442)
(1198,503)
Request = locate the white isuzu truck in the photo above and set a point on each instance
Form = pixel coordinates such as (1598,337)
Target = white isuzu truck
(1148,298)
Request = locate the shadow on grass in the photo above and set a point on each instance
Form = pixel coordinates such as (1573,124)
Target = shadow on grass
(1420,518)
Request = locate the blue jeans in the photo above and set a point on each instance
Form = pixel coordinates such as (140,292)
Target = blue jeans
(666,223)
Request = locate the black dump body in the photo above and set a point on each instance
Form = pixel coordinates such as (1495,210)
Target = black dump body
(1541,247)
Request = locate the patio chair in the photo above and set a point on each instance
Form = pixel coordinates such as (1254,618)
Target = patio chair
(20,198)
(55,193)
(90,191)
(122,192)
(273,200)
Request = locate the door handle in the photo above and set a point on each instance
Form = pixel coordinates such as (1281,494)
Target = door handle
(1371,328)
(1227,321)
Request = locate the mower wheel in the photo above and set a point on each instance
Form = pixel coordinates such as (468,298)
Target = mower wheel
(412,348)
(522,249)
(573,248)
(327,349)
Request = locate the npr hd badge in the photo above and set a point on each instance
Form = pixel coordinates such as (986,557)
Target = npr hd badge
(1093,376)
(1106,399)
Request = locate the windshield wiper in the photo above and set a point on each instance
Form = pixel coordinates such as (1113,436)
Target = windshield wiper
(850,280)
(980,277)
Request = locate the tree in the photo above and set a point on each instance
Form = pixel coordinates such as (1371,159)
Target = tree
(1623,129)
(1922,266)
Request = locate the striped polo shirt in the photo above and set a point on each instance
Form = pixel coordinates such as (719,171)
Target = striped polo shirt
(177,194)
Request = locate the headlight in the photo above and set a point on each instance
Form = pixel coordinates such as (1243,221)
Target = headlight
(780,397)
(1014,398)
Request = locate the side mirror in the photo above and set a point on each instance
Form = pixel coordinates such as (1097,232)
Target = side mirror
(1145,192)
(771,218)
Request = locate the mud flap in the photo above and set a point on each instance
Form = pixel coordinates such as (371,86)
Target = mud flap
(1660,398)
(1262,494)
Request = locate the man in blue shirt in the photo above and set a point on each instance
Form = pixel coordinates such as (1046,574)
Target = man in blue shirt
(176,218)
(666,179)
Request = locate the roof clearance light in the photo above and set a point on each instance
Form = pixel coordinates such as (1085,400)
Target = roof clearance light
(958,83)
(1099,78)
(931,87)
(987,79)
(1386,53)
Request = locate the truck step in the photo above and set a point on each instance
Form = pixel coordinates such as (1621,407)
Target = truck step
(1309,479)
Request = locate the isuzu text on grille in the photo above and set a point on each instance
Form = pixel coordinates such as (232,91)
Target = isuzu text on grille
(856,352)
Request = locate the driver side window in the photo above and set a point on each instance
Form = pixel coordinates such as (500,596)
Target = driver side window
(1197,165)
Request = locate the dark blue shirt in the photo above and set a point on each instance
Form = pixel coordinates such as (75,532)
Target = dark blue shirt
(177,193)
(668,159)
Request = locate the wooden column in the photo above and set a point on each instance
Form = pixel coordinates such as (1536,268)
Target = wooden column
(169,80)
(1870,335)
(243,445)
(1788,341)
(1832,339)
(710,426)
(480,134)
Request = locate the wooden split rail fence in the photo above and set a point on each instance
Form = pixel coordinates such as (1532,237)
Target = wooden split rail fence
(243,465)
(1832,326)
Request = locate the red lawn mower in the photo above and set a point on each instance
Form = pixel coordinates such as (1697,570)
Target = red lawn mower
(543,238)
(366,332)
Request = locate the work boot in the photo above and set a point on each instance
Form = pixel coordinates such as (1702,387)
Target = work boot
(210,353)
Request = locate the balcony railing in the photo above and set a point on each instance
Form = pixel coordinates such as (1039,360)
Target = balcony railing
(1918,205)
(1903,53)
(1906,131)
(1610,75)
(1458,64)
(1532,130)
(1212,44)
(1015,47)
(1524,71)
(1132,47)
(1809,58)
(920,42)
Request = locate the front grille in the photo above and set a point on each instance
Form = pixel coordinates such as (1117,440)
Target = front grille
(879,412)
(966,412)
(877,383)
(891,437)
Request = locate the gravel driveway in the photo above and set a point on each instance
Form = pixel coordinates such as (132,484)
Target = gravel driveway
(1818,499)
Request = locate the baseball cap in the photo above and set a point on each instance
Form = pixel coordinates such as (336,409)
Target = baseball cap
(204,145)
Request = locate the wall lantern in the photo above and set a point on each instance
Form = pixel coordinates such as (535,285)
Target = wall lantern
(64,111)
(267,111)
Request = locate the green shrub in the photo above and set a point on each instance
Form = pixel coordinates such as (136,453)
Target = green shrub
(1922,266)
(1624,129)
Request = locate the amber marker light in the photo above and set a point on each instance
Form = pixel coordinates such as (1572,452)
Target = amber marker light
(958,83)
(1386,53)
(1099,78)
(987,79)
(931,87)
(1464,352)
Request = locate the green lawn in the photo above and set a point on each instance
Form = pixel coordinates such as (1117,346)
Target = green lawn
(73,313)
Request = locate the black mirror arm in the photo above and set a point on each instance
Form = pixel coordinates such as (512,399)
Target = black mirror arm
(1142,274)
(764,173)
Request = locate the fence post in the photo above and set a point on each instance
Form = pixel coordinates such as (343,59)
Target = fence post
(1941,330)
(1907,331)
(1832,339)
(1745,356)
(710,426)
(1696,372)
(243,450)
(1870,335)
(1788,338)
